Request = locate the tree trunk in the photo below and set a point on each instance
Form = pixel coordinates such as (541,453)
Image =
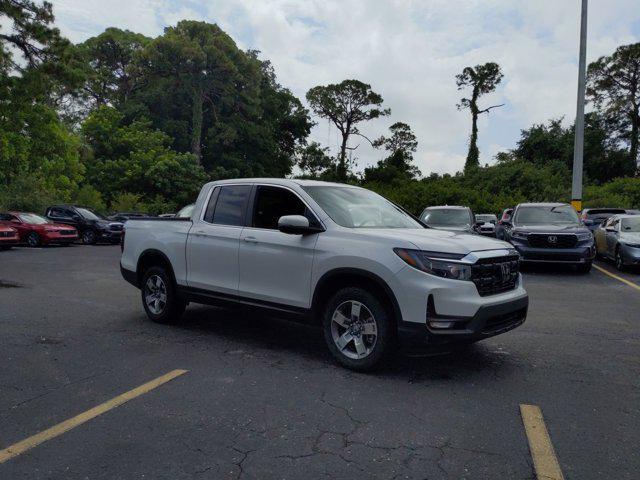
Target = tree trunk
(196,123)
(473,156)
(635,133)
(341,171)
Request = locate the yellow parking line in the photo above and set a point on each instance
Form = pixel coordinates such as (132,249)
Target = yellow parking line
(544,457)
(613,275)
(28,443)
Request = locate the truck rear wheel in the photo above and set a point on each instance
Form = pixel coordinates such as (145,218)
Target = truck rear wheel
(357,329)
(159,297)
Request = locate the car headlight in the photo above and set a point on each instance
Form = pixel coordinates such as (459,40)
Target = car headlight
(584,236)
(432,263)
(519,235)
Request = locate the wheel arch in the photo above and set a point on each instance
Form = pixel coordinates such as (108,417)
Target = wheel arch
(338,278)
(153,257)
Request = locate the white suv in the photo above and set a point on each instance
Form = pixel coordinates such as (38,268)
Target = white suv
(340,255)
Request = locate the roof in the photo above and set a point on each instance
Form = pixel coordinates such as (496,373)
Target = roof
(436,207)
(543,204)
(282,181)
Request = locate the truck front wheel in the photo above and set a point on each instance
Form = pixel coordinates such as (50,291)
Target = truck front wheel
(159,297)
(357,329)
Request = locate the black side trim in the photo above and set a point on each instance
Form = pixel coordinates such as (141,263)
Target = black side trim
(130,276)
(208,297)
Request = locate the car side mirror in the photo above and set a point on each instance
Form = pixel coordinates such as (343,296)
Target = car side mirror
(610,229)
(296,225)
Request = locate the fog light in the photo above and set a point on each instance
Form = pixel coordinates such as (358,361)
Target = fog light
(440,324)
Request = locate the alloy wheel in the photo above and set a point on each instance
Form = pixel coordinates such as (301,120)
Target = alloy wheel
(33,240)
(155,294)
(354,329)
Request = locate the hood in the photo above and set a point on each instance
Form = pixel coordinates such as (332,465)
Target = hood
(551,229)
(451,228)
(7,228)
(56,226)
(433,240)
(631,237)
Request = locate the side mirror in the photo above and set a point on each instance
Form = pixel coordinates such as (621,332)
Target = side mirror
(610,228)
(296,225)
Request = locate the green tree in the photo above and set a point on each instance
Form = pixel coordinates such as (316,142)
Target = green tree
(482,79)
(346,104)
(113,72)
(314,161)
(398,166)
(135,158)
(614,88)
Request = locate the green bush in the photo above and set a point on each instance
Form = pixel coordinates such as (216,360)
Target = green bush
(88,196)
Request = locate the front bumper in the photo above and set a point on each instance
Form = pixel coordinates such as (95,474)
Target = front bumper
(489,320)
(54,237)
(111,236)
(9,241)
(630,255)
(577,255)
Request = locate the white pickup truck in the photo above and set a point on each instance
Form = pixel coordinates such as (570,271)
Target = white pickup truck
(339,255)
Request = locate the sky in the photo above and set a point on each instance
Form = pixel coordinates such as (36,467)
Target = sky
(409,51)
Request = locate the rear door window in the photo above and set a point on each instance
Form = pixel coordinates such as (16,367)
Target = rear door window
(231,205)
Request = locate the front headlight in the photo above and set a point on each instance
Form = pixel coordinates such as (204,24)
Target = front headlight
(438,266)
(584,236)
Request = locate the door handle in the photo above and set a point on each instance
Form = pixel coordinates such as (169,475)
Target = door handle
(250,239)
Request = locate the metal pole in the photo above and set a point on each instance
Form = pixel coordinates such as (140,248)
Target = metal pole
(578,145)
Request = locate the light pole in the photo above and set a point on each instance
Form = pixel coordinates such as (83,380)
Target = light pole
(578,144)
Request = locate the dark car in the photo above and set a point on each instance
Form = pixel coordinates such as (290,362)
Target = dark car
(453,218)
(504,221)
(594,217)
(92,227)
(618,239)
(551,233)
(124,216)
(35,230)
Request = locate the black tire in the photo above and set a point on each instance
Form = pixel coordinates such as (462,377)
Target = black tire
(33,240)
(89,237)
(168,312)
(619,261)
(375,313)
(585,267)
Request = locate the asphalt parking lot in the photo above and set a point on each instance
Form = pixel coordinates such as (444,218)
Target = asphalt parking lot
(262,398)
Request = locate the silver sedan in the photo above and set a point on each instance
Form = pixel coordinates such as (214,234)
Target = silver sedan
(619,240)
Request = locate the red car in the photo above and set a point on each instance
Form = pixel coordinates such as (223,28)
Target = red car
(35,230)
(8,237)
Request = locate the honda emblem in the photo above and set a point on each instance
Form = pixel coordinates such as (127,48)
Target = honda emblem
(552,239)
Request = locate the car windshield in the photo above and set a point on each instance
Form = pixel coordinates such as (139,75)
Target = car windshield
(486,218)
(360,208)
(185,212)
(33,219)
(551,215)
(446,216)
(88,214)
(630,224)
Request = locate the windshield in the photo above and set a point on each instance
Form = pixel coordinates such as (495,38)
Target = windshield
(486,218)
(553,215)
(630,224)
(360,208)
(185,212)
(446,216)
(88,214)
(33,219)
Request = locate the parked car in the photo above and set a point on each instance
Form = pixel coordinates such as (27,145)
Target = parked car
(594,217)
(295,248)
(453,218)
(8,237)
(552,233)
(618,239)
(124,216)
(486,224)
(166,215)
(633,212)
(504,221)
(35,230)
(92,227)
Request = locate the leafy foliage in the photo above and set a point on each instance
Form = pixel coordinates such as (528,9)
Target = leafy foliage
(398,166)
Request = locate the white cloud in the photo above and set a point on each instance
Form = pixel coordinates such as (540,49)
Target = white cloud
(408,50)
